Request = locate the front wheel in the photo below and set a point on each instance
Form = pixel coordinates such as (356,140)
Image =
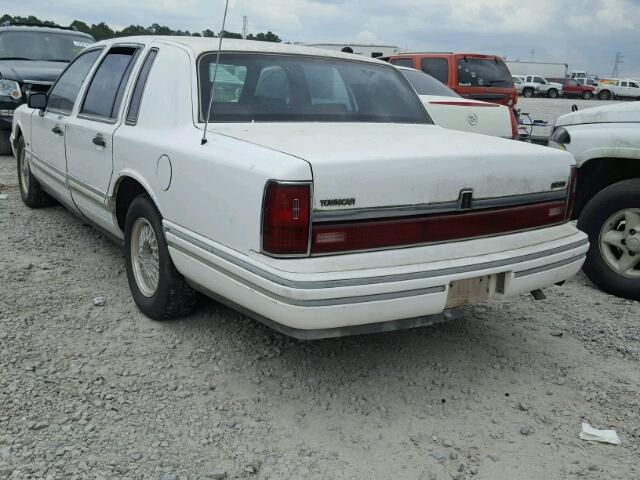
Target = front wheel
(612,221)
(31,192)
(157,287)
(5,143)
(552,93)
(587,95)
(604,95)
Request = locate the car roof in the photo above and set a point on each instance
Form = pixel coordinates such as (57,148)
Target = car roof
(44,29)
(199,45)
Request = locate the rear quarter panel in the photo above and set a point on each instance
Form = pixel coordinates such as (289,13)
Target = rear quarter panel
(215,189)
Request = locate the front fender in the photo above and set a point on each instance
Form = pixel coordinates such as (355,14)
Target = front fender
(603,140)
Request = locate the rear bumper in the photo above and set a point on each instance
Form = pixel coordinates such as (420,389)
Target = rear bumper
(374,291)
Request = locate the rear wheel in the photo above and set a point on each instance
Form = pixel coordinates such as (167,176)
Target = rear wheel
(5,143)
(604,95)
(527,92)
(158,289)
(552,93)
(612,221)
(587,95)
(31,192)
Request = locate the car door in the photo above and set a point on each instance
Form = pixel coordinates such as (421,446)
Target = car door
(623,89)
(89,142)
(46,153)
(634,90)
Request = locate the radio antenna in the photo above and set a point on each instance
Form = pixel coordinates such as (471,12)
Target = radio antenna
(215,74)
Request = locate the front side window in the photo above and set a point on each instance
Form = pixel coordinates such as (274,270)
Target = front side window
(427,85)
(43,46)
(293,88)
(539,80)
(438,68)
(64,93)
(483,72)
(104,94)
(633,85)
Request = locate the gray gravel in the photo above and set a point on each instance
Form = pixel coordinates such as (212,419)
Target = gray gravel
(549,109)
(94,390)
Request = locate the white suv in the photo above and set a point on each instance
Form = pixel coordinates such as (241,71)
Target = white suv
(605,142)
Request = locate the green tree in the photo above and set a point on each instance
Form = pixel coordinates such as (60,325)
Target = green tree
(81,26)
(101,31)
(265,37)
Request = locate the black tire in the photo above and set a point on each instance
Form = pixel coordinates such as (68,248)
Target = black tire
(528,92)
(587,95)
(620,196)
(604,95)
(552,93)
(31,192)
(5,143)
(173,296)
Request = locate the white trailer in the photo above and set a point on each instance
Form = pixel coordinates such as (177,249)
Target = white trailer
(543,69)
(359,48)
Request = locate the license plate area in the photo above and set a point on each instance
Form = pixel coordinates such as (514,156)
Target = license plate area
(471,290)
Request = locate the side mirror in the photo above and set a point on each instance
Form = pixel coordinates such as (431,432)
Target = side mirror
(37,101)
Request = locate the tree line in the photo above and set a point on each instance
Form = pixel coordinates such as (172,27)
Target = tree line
(102,31)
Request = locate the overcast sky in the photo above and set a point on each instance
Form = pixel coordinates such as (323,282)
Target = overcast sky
(586,34)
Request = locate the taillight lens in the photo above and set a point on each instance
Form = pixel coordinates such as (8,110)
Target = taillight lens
(514,125)
(571,193)
(285,218)
(394,232)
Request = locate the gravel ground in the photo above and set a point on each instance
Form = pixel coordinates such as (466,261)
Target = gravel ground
(101,392)
(549,109)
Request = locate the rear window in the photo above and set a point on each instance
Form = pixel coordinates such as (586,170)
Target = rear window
(427,85)
(402,62)
(480,72)
(35,45)
(292,88)
(438,68)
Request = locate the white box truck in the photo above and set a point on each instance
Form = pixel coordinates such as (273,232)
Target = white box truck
(543,69)
(359,48)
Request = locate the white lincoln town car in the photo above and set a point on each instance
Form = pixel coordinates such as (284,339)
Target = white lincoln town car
(322,201)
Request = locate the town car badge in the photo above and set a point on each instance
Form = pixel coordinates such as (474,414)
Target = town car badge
(472,118)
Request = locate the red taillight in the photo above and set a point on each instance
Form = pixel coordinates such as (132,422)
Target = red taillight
(571,193)
(285,218)
(393,232)
(514,125)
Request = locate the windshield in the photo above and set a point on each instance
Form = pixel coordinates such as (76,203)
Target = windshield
(33,45)
(481,72)
(291,88)
(427,85)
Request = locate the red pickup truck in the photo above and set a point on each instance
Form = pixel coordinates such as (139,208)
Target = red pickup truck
(470,75)
(573,88)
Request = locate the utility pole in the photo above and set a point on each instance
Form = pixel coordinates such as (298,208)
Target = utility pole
(617,64)
(245,23)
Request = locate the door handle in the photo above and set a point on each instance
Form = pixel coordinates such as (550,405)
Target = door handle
(57,130)
(99,141)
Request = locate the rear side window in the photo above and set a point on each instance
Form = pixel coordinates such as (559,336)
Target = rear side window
(438,68)
(402,62)
(136,98)
(483,72)
(64,93)
(104,95)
